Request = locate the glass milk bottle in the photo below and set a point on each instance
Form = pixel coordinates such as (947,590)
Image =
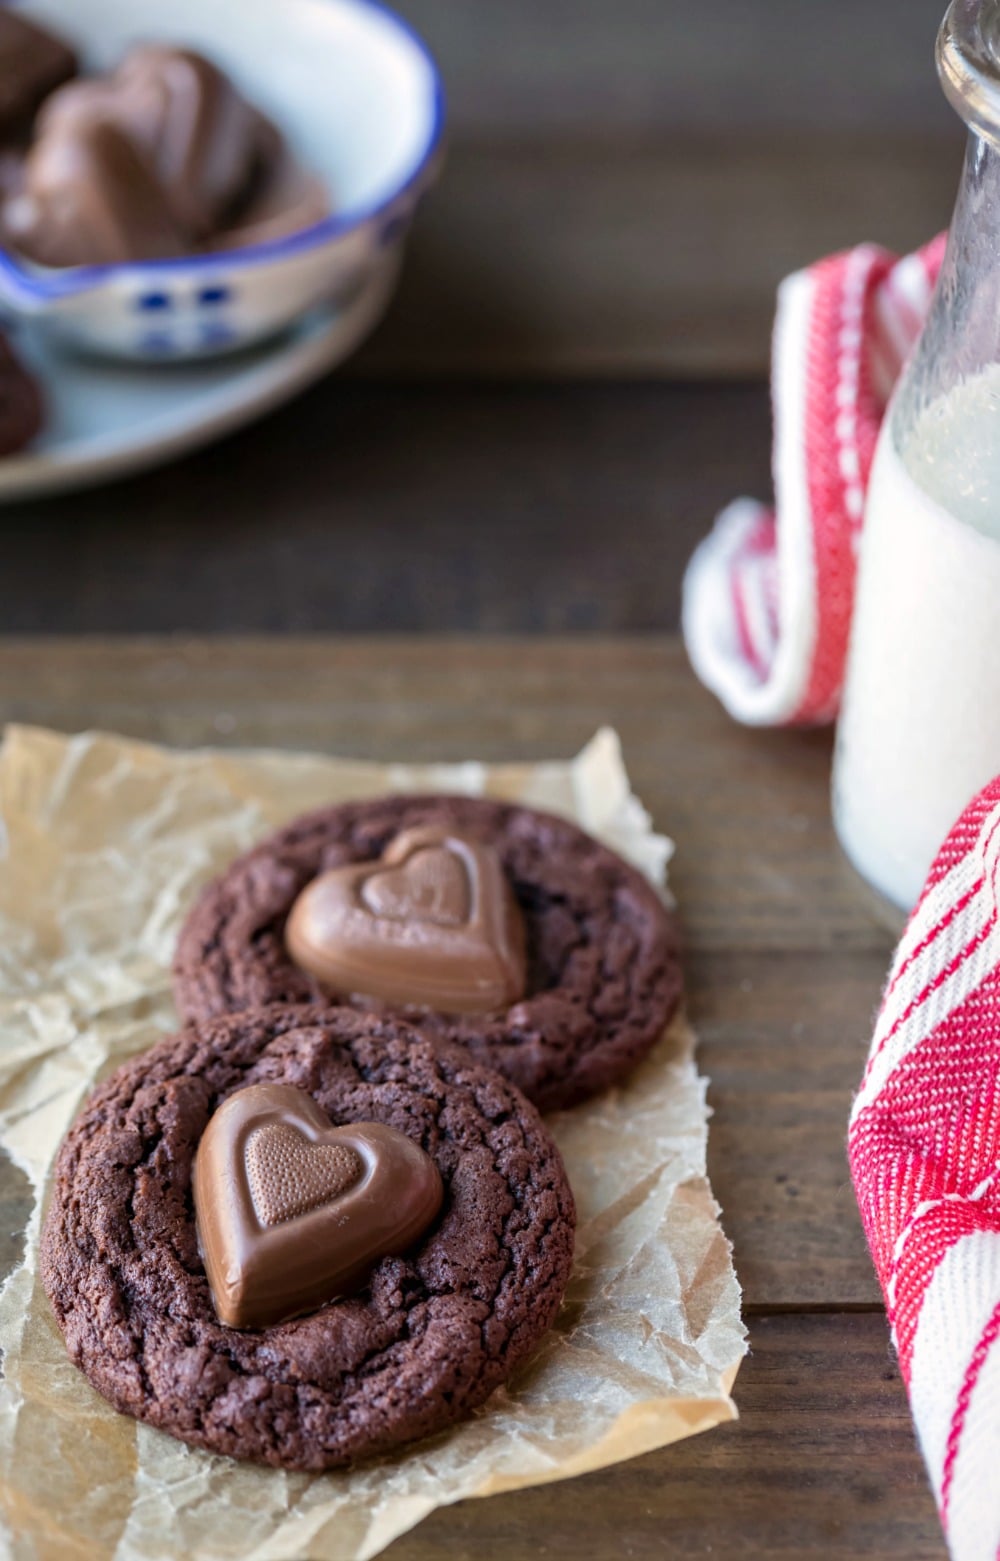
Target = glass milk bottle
(919,732)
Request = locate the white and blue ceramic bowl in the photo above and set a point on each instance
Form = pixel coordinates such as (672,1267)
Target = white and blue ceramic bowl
(360,102)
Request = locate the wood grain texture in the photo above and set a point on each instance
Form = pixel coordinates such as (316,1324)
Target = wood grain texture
(573,67)
(784,971)
(517,508)
(783,1039)
(634,257)
(821,1465)
(627,184)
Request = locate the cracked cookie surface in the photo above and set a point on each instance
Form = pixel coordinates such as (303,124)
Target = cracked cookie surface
(428,1339)
(604,974)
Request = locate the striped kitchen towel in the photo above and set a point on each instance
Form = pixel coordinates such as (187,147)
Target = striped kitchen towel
(768,595)
(924,1149)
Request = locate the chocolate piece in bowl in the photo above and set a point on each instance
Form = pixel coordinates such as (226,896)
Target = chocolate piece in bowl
(87,197)
(205,143)
(162,158)
(33,63)
(315,914)
(431,1331)
(287,198)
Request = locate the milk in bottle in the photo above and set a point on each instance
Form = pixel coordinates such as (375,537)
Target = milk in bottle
(919,731)
(920,728)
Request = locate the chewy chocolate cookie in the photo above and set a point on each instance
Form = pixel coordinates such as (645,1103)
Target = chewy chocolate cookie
(431,1333)
(574,996)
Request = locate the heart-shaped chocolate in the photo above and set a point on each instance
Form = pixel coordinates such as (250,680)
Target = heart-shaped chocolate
(431,885)
(289,1176)
(187,120)
(292,1212)
(86,196)
(432,924)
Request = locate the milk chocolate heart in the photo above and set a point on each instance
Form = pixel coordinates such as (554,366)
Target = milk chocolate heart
(86,196)
(292,1212)
(432,924)
(431,885)
(285,199)
(185,118)
(289,1176)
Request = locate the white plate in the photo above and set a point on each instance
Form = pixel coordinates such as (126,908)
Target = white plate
(107,419)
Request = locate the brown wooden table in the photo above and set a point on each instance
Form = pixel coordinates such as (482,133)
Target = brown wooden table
(784,970)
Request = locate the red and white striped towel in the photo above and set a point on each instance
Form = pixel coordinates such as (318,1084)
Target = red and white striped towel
(768,595)
(924,1149)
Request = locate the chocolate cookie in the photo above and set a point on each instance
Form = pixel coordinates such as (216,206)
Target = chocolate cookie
(602,968)
(429,1337)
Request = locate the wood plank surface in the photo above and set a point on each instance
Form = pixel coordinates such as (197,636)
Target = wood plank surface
(573,67)
(638,257)
(509,508)
(783,1039)
(627,184)
(821,1465)
(784,969)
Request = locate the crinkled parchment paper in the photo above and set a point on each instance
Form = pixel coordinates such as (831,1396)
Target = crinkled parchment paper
(105,844)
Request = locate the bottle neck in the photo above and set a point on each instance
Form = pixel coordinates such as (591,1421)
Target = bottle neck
(961,336)
(968,61)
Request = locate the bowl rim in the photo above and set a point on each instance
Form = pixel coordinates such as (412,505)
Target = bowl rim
(61,282)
